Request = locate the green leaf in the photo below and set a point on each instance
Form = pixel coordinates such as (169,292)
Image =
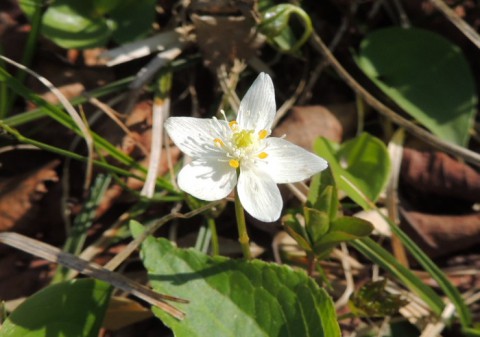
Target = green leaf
(91,23)
(236,297)
(426,75)
(323,193)
(317,223)
(275,26)
(364,161)
(354,226)
(297,231)
(372,300)
(74,308)
(343,229)
(133,20)
(74,24)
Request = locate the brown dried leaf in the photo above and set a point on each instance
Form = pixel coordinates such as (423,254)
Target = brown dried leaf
(305,124)
(122,312)
(437,173)
(441,235)
(19,194)
(237,38)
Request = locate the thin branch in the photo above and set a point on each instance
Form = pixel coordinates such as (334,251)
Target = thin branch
(464,27)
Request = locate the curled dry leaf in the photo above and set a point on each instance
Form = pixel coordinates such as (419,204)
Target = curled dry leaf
(19,194)
(438,174)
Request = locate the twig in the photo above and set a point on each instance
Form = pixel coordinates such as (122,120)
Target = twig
(53,254)
(417,131)
(404,21)
(464,27)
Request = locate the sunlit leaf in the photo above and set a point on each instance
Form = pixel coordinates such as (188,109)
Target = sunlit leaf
(236,297)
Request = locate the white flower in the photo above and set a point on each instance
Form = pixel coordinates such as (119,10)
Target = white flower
(225,154)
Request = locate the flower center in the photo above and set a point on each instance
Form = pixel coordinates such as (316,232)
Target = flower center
(243,139)
(242,146)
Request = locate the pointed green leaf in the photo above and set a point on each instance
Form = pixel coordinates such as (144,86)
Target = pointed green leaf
(297,231)
(74,308)
(323,193)
(355,226)
(236,297)
(426,75)
(343,229)
(317,223)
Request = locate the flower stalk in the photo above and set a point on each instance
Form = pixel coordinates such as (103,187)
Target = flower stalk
(243,237)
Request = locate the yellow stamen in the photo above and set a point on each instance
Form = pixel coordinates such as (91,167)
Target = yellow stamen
(218,142)
(234,163)
(262,134)
(233,125)
(262,155)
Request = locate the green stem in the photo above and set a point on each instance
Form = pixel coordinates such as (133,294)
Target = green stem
(213,230)
(62,152)
(242,228)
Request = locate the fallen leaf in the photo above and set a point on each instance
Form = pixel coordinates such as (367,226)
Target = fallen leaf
(19,194)
(438,174)
(304,124)
(440,235)
(122,312)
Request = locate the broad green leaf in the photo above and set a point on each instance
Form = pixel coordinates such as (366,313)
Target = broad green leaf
(364,161)
(372,300)
(426,75)
(74,308)
(236,297)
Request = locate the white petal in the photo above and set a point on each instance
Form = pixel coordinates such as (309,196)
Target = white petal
(194,136)
(288,163)
(259,195)
(257,108)
(207,179)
